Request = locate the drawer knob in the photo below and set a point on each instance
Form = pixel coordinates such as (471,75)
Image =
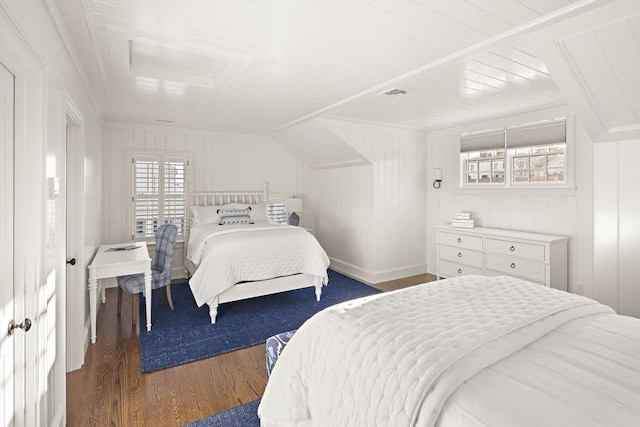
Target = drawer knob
(459,271)
(459,254)
(459,240)
(512,248)
(513,265)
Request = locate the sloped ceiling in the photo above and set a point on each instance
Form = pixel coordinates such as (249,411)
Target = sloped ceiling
(595,61)
(271,67)
(259,66)
(504,80)
(319,146)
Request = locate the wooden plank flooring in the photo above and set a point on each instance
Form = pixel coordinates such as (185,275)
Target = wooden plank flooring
(110,390)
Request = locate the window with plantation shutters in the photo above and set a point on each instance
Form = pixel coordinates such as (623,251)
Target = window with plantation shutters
(159,194)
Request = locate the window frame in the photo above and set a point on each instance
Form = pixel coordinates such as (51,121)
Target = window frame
(464,163)
(513,156)
(161,157)
(509,185)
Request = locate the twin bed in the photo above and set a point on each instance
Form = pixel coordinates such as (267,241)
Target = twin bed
(234,252)
(467,351)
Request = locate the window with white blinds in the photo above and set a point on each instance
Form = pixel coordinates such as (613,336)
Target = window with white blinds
(529,154)
(159,193)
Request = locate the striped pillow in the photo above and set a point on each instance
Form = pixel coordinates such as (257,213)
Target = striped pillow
(235,216)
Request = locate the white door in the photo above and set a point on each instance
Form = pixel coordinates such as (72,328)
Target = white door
(75,284)
(7,342)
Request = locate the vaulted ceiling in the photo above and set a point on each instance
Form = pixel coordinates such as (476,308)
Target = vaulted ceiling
(262,66)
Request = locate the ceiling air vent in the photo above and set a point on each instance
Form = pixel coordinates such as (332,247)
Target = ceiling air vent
(394,91)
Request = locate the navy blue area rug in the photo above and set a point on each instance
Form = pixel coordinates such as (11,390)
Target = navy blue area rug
(186,334)
(241,416)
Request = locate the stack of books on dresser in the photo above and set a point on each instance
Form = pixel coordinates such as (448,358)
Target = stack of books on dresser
(462,220)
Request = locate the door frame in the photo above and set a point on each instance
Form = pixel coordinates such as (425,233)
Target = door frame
(7,310)
(77,336)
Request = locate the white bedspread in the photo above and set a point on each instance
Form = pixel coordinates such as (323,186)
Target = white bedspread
(585,373)
(226,255)
(395,359)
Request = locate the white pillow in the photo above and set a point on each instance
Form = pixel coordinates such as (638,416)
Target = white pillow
(207,214)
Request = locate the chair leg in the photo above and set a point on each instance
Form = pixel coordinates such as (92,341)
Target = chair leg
(169,299)
(160,297)
(119,301)
(134,313)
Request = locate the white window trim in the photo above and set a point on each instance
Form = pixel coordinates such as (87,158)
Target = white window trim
(523,191)
(566,189)
(130,155)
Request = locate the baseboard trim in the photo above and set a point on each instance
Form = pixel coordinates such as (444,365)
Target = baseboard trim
(58,419)
(431,269)
(178,273)
(373,277)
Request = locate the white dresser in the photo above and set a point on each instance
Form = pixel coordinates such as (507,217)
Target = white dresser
(539,258)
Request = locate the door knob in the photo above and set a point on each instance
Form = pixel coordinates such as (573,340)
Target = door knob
(72,261)
(26,325)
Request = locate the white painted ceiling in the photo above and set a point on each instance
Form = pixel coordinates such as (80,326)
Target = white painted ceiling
(261,66)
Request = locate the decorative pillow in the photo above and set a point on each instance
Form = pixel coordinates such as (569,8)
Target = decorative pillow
(235,216)
(258,211)
(207,214)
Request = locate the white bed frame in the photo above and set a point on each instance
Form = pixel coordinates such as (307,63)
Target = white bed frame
(244,290)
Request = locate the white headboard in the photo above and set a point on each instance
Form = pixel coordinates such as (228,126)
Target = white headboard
(212,198)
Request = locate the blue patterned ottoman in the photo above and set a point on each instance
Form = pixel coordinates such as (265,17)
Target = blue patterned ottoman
(275,345)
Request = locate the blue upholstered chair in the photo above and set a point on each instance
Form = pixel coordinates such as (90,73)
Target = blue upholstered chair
(160,270)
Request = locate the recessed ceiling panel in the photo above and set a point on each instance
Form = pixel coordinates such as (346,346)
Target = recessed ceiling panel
(147,59)
(143,58)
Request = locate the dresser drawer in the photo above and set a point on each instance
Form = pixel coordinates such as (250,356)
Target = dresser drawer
(459,240)
(522,250)
(513,266)
(452,269)
(461,256)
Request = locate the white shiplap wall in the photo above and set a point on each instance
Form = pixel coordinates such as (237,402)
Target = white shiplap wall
(565,212)
(219,161)
(371,219)
(616,205)
(34,24)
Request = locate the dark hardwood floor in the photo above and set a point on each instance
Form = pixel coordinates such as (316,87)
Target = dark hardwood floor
(110,390)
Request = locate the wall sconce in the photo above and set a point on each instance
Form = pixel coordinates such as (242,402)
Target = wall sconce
(53,187)
(437,177)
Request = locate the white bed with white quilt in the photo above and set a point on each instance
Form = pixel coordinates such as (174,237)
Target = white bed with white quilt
(466,351)
(234,253)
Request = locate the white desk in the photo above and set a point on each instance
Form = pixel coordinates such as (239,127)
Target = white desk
(118,263)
